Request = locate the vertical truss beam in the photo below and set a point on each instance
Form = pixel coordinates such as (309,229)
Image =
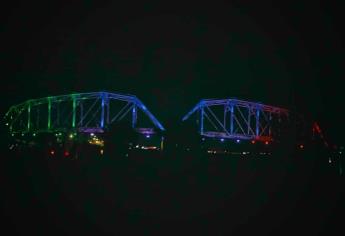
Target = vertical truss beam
(231,118)
(134,116)
(29,116)
(49,113)
(103,97)
(257,123)
(52,105)
(74,112)
(241,124)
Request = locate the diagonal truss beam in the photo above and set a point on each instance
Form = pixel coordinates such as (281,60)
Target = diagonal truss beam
(240,126)
(76,102)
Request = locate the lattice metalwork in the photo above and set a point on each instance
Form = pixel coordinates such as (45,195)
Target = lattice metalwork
(237,119)
(83,112)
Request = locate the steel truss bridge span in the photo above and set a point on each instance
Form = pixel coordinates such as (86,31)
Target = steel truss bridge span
(238,119)
(82,112)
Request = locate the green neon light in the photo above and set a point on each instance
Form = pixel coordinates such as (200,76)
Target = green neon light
(49,112)
(74,111)
(29,116)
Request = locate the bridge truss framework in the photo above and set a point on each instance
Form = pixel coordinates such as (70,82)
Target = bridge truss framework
(82,112)
(237,119)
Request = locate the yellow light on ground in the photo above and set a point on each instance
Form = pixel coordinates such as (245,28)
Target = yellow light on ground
(101,151)
(97,142)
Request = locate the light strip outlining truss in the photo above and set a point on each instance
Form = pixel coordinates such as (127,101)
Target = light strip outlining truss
(241,119)
(71,112)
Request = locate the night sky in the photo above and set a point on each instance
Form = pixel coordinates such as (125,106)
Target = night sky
(172,55)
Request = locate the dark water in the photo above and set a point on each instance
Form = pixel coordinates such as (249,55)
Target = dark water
(149,194)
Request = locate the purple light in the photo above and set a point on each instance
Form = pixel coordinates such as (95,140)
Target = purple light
(148,136)
(237,141)
(145,131)
(222,139)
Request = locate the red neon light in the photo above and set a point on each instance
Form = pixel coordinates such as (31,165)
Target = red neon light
(266,142)
(317,127)
(66,153)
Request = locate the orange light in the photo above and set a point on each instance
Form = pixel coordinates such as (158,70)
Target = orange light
(52,152)
(301,146)
(266,142)
(253,141)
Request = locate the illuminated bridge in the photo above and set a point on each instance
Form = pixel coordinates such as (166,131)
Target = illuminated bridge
(80,112)
(237,119)
(96,113)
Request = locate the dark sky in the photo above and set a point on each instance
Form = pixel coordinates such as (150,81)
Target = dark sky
(172,55)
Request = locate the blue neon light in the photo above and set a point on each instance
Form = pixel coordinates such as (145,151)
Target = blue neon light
(102,115)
